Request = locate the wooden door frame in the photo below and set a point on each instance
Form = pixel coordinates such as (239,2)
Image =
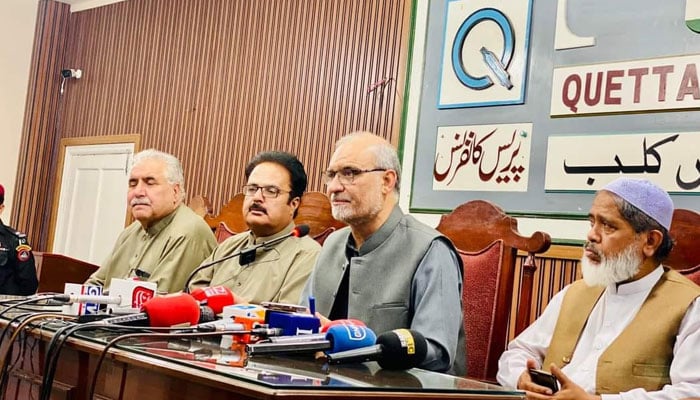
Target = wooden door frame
(135,139)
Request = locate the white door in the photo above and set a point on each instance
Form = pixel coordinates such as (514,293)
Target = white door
(92,202)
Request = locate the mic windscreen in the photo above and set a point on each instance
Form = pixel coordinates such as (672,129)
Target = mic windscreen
(172,309)
(349,337)
(402,349)
(206,314)
(347,321)
(216,297)
(301,230)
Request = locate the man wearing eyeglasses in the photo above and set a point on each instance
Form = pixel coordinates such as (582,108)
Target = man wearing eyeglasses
(275,184)
(386,268)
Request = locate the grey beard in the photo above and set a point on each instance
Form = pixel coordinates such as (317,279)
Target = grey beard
(614,269)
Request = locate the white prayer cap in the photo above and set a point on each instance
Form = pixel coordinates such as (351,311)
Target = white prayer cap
(646,196)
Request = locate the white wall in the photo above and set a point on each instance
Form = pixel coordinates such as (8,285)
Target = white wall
(558,229)
(80,5)
(17,23)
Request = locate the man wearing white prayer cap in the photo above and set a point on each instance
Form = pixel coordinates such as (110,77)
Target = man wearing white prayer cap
(630,329)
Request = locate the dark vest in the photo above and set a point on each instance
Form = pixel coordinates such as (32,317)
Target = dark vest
(380,300)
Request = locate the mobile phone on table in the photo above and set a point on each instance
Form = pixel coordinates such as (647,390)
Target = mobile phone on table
(283,307)
(544,378)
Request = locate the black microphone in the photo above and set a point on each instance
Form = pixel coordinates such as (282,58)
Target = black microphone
(397,349)
(248,254)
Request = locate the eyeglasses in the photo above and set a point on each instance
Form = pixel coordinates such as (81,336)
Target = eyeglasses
(268,192)
(346,176)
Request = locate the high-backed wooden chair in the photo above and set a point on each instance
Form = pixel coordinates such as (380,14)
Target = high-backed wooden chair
(223,232)
(55,270)
(315,211)
(488,240)
(231,215)
(201,205)
(321,237)
(685,256)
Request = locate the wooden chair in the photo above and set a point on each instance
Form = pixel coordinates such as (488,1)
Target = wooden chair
(223,232)
(201,206)
(231,214)
(488,240)
(685,256)
(55,270)
(315,211)
(321,237)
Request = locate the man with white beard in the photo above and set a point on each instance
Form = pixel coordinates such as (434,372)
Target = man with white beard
(631,328)
(386,268)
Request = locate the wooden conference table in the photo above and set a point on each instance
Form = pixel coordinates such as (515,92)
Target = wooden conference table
(157,368)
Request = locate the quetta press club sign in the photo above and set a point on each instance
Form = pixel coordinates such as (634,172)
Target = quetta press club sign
(669,83)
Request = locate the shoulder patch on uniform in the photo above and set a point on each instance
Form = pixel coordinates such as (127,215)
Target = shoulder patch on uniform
(21,237)
(18,233)
(24,251)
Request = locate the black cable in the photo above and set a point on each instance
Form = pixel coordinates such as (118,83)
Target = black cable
(119,338)
(9,301)
(5,361)
(55,346)
(53,352)
(8,352)
(28,301)
(9,325)
(17,304)
(22,298)
(49,359)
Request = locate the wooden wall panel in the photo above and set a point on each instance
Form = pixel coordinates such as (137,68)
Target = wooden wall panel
(39,146)
(216,81)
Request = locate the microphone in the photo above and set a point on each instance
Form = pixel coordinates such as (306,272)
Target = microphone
(220,325)
(206,314)
(346,321)
(248,254)
(306,337)
(346,337)
(397,349)
(338,338)
(161,312)
(215,297)
(230,325)
(133,293)
(73,293)
(86,298)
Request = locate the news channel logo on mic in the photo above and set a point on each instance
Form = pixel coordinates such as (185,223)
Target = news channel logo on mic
(356,332)
(134,294)
(81,308)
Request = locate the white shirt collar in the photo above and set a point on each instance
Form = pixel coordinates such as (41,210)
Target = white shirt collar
(640,285)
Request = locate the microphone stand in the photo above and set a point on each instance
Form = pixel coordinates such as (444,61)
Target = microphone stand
(247,254)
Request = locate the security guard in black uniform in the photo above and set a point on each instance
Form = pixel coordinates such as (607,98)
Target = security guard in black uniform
(17,271)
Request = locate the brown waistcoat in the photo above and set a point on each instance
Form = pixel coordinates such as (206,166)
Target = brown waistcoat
(640,357)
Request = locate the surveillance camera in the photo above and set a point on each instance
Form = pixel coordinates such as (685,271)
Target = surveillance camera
(71,73)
